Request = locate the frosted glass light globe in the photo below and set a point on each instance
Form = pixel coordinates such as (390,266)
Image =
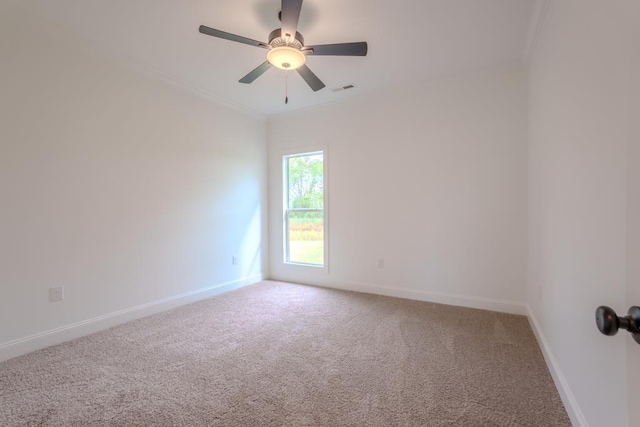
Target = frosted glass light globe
(286,58)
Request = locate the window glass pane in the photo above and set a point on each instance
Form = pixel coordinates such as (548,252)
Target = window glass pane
(305,182)
(304,216)
(306,237)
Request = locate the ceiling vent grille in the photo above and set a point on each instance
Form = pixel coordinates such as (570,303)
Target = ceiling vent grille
(340,89)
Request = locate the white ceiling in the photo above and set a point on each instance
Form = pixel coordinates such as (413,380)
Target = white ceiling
(409,41)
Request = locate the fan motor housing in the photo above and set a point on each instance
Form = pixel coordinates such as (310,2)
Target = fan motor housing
(276,39)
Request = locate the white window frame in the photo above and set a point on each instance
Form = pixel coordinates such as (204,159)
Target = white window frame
(285,207)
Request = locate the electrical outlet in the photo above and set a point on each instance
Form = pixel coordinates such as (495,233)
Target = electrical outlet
(380,263)
(56,294)
(234,260)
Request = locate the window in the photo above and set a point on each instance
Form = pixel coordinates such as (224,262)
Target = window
(304,201)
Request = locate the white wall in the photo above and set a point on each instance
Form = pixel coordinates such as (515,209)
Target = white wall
(120,187)
(579,134)
(430,178)
(633,242)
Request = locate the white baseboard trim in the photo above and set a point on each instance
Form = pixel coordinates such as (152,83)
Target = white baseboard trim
(481,303)
(59,335)
(568,399)
(502,306)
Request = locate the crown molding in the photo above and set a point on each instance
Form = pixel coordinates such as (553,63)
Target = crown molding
(144,68)
(153,72)
(536,24)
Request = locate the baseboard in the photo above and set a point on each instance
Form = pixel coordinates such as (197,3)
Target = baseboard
(502,306)
(65,333)
(568,399)
(481,303)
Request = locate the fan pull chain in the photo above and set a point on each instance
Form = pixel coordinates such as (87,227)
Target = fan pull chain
(286,87)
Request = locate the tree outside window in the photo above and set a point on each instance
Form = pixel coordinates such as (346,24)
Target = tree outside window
(304,210)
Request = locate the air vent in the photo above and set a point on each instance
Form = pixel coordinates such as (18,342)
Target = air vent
(340,89)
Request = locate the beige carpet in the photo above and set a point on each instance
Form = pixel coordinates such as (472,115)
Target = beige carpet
(276,354)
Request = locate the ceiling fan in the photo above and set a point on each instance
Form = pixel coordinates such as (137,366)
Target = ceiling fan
(286,49)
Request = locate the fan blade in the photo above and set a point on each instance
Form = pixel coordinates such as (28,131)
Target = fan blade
(312,80)
(290,16)
(234,38)
(249,78)
(341,49)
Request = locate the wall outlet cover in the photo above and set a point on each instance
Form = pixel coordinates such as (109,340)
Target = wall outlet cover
(56,294)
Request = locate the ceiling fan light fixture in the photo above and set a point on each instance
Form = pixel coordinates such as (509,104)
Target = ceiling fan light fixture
(286,57)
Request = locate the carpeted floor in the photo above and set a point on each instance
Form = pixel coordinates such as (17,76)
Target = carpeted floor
(276,354)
